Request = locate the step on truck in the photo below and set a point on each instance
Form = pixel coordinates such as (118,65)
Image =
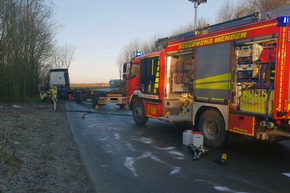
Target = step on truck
(229,77)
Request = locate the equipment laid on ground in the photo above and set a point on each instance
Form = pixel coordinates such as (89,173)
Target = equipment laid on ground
(197,151)
(222,159)
(187,137)
(194,143)
(229,77)
(192,137)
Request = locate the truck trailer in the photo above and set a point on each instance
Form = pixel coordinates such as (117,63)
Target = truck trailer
(103,96)
(229,77)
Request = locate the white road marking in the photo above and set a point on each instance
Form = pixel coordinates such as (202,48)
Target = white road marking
(176,153)
(104,139)
(130,146)
(117,136)
(226,189)
(144,140)
(222,189)
(101,124)
(217,187)
(287,174)
(166,148)
(175,170)
(149,154)
(129,163)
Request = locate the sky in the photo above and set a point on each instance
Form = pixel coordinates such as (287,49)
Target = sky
(100,29)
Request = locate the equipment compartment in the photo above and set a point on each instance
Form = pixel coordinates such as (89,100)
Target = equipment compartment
(245,67)
(253,90)
(257,101)
(181,74)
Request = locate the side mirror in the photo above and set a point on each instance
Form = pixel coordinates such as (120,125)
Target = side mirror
(125,68)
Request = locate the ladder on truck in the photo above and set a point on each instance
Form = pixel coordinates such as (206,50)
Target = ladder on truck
(255,17)
(212,28)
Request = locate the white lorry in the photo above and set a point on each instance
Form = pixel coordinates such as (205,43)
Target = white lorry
(60,78)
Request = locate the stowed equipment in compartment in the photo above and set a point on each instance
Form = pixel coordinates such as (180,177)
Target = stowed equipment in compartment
(254,78)
(257,100)
(246,68)
(178,99)
(181,74)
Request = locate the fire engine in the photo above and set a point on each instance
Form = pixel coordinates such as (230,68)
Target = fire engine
(228,77)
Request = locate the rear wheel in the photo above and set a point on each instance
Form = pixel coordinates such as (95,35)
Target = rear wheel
(139,113)
(94,101)
(78,97)
(212,124)
(121,106)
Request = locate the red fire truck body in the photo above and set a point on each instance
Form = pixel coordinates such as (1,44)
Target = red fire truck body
(221,80)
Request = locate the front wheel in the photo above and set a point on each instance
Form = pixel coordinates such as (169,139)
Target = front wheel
(212,124)
(139,113)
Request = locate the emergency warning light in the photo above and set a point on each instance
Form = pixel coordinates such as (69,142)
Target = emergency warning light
(283,21)
(138,53)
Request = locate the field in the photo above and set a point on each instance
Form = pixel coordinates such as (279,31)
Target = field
(89,85)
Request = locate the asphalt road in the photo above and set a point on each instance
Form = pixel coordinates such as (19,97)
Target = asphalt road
(123,157)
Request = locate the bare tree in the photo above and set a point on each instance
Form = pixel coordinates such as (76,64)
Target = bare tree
(63,56)
(26,34)
(201,23)
(266,5)
(127,54)
(231,10)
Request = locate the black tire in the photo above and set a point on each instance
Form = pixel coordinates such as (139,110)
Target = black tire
(212,125)
(94,101)
(121,106)
(184,125)
(139,113)
(78,98)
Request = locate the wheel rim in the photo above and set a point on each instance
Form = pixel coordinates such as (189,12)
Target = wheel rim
(138,113)
(210,129)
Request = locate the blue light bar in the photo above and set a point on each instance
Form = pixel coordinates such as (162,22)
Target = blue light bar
(138,53)
(283,21)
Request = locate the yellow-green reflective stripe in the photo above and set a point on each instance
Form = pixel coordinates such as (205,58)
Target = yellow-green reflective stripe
(218,78)
(217,86)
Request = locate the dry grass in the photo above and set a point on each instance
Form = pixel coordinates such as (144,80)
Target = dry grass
(38,152)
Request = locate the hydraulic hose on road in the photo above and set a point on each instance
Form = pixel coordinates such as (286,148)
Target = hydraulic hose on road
(90,112)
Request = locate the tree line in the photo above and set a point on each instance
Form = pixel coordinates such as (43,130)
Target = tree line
(230,10)
(27,48)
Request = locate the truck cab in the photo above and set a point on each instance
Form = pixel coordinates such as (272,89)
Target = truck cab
(60,78)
